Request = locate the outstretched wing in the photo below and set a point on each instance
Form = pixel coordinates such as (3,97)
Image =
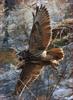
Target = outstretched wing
(41,31)
(27,76)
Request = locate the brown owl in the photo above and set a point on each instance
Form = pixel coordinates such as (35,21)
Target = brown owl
(39,52)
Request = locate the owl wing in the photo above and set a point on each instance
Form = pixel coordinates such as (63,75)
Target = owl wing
(27,76)
(41,31)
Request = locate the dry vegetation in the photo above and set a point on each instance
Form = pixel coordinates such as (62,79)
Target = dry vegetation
(8,56)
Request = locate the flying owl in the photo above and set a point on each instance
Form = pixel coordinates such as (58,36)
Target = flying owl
(39,52)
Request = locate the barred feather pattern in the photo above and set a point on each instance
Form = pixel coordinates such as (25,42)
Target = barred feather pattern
(41,31)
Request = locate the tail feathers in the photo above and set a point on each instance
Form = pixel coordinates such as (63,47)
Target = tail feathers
(56,53)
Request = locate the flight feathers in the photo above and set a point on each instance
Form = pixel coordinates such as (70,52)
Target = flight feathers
(41,33)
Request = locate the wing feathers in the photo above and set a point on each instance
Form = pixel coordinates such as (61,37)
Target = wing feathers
(41,30)
(28,74)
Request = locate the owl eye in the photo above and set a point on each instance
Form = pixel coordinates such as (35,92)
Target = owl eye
(20,58)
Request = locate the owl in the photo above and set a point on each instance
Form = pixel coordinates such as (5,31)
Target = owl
(40,52)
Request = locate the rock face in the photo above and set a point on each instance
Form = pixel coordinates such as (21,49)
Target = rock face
(23,14)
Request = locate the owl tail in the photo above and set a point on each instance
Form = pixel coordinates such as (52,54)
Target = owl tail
(57,54)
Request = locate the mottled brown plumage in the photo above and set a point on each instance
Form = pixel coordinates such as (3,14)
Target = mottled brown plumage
(38,53)
(41,31)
